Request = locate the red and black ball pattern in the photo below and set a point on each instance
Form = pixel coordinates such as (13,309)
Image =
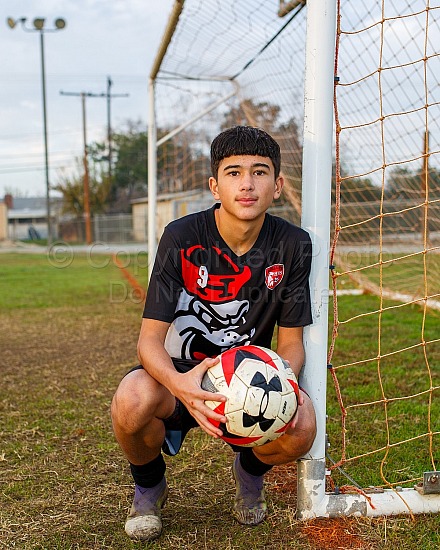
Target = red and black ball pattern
(262,395)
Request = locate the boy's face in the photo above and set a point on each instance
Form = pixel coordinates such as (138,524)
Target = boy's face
(246,186)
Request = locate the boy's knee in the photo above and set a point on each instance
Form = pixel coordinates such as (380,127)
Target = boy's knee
(138,400)
(303,435)
(129,408)
(307,426)
(308,436)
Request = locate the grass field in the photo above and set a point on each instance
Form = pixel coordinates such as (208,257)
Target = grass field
(400,373)
(68,332)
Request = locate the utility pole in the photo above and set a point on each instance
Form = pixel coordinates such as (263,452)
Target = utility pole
(109,97)
(109,128)
(86,175)
(83,96)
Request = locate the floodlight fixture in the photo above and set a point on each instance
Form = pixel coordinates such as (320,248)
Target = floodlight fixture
(39,23)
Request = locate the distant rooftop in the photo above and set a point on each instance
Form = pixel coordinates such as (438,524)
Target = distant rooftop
(29,203)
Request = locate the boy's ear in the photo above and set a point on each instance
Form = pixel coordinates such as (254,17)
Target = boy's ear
(213,186)
(279,183)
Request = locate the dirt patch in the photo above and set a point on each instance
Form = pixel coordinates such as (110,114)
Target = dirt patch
(334,534)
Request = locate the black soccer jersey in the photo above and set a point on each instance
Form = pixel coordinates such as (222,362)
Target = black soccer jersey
(215,299)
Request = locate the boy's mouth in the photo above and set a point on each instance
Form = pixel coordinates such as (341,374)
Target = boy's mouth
(247,200)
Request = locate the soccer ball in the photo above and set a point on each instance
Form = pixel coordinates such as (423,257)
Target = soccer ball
(261,391)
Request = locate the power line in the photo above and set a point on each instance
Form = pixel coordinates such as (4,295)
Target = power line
(23,169)
(109,96)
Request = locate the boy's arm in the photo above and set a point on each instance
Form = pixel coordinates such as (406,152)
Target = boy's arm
(186,387)
(291,348)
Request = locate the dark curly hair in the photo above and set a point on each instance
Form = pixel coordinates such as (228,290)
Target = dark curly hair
(244,140)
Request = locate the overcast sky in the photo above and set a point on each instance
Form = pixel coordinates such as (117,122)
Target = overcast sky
(101,39)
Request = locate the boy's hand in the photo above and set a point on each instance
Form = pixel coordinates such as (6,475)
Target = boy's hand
(298,411)
(300,400)
(191,394)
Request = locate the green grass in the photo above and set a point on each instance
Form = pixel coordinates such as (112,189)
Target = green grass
(404,273)
(395,375)
(66,278)
(66,342)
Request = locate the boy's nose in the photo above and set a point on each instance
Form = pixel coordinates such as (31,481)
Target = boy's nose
(247,182)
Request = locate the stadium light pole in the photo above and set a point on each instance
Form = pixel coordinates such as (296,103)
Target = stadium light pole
(39,26)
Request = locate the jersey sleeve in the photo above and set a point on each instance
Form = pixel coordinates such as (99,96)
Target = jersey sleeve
(295,308)
(166,281)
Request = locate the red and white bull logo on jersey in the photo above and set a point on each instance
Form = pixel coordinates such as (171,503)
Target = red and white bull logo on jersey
(274,275)
(221,286)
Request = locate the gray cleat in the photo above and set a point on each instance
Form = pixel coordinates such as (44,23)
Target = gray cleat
(144,521)
(250,504)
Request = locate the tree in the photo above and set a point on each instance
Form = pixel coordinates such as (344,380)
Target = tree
(72,189)
(358,190)
(130,175)
(402,183)
(263,115)
(181,164)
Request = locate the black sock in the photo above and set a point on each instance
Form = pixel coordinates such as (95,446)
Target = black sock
(150,474)
(251,464)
